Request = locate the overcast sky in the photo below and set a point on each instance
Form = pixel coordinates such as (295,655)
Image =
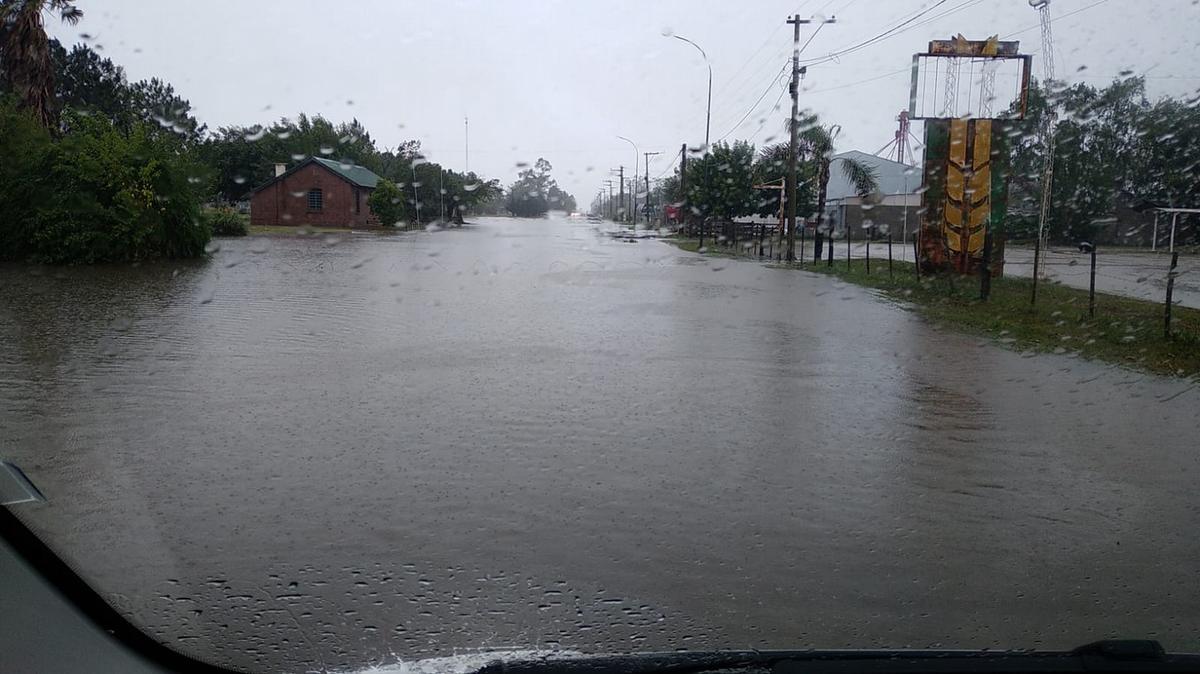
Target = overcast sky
(562,79)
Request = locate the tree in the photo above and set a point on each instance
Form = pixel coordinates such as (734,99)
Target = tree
(387,202)
(816,144)
(467,192)
(87,81)
(721,184)
(97,194)
(535,192)
(1112,148)
(156,101)
(25,56)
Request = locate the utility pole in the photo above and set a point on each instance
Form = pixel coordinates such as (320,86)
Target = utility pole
(633,201)
(611,210)
(416,198)
(794,88)
(621,187)
(466,145)
(683,208)
(646,168)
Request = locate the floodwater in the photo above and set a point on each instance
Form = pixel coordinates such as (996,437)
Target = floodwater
(335,452)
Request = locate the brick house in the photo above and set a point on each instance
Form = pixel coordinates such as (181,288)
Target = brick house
(315,192)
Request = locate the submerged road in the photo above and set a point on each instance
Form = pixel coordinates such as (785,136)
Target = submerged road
(311,453)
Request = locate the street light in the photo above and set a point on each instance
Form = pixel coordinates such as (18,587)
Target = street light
(632,195)
(708,112)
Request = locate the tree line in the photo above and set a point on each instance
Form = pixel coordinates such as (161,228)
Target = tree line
(98,168)
(726,183)
(1114,149)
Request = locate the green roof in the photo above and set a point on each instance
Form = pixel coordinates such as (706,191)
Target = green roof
(356,174)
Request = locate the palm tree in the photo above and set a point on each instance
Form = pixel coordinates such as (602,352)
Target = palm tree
(815,145)
(816,142)
(25,53)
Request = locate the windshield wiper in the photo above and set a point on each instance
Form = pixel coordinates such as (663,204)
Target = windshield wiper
(1126,655)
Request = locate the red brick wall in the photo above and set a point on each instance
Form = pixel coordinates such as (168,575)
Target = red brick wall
(285,202)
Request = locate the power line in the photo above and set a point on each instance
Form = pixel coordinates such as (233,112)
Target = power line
(1057,18)
(774,81)
(847,85)
(810,37)
(764,120)
(673,163)
(745,63)
(899,28)
(754,106)
(854,47)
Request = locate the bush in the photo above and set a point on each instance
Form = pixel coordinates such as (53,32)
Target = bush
(225,221)
(98,194)
(387,203)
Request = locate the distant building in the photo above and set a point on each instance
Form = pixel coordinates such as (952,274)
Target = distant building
(315,192)
(899,191)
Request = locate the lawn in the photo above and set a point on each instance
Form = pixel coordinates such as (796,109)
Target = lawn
(1124,330)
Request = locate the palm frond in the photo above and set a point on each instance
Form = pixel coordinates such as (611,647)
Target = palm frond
(861,174)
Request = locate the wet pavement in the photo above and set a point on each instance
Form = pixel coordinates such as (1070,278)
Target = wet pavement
(333,452)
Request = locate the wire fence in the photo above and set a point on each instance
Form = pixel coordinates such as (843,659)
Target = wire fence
(1133,273)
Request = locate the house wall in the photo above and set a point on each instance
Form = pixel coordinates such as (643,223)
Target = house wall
(886,217)
(285,202)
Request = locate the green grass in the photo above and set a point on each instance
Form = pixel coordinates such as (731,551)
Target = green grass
(1126,331)
(693,246)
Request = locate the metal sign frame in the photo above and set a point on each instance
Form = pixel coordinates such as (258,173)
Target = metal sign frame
(991,49)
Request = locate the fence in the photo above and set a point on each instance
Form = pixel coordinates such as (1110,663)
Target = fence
(1133,273)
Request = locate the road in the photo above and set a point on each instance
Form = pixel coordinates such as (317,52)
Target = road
(333,452)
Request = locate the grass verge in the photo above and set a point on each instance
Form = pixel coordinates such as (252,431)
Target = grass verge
(1125,331)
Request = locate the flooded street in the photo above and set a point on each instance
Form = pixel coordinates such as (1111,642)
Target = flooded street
(523,434)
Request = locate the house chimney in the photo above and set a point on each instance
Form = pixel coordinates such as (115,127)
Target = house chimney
(280,169)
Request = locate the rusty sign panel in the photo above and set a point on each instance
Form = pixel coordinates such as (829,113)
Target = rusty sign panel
(961,46)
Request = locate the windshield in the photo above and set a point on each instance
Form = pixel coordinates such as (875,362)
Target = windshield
(340,336)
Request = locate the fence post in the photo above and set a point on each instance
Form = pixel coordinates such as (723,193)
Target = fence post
(1170,290)
(889,255)
(830,247)
(762,234)
(1092,286)
(867,243)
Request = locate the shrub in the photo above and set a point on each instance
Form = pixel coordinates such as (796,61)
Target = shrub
(225,221)
(387,203)
(97,195)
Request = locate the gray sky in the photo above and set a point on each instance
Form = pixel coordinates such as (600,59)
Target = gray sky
(561,79)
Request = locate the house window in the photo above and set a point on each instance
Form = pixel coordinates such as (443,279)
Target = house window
(316,200)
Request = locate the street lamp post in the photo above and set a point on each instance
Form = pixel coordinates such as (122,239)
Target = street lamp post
(632,194)
(708,111)
(707,121)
